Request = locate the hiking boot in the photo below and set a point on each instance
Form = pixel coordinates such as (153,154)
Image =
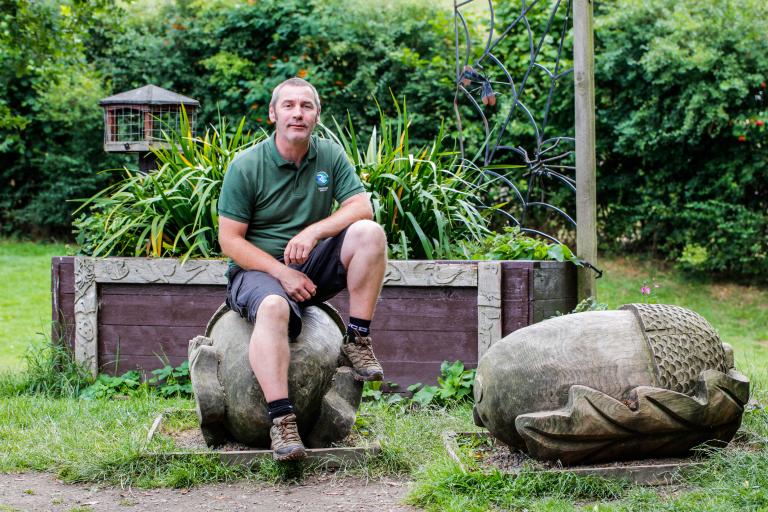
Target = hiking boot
(360,353)
(286,443)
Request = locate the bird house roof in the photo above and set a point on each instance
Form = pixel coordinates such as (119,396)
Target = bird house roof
(149,95)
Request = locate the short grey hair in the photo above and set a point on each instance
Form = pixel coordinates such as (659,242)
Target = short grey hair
(295,82)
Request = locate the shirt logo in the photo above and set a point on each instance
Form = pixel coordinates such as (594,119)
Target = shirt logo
(322,179)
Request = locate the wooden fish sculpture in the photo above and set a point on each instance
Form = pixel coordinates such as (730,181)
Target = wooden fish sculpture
(648,380)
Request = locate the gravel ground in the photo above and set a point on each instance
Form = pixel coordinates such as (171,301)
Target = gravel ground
(42,491)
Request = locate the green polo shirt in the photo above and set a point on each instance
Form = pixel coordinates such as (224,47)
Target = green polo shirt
(276,199)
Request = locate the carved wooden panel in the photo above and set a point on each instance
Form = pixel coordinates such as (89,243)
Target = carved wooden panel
(488,305)
(86,314)
(430,273)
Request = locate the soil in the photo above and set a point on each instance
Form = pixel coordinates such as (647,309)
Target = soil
(43,492)
(493,454)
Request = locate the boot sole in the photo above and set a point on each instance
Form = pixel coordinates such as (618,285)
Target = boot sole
(369,378)
(295,455)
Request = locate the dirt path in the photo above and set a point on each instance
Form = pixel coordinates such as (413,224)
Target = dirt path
(41,491)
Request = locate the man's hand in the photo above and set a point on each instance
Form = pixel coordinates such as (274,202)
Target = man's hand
(298,248)
(296,284)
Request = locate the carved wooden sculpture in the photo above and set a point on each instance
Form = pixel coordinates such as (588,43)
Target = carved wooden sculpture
(648,380)
(230,404)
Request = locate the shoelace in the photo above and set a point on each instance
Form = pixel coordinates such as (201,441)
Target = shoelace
(288,433)
(364,350)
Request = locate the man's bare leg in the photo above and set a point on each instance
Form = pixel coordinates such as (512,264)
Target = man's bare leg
(268,351)
(364,255)
(270,356)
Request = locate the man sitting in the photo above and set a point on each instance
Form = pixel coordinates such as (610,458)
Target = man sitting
(288,251)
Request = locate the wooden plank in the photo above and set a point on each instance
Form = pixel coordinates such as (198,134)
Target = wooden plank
(430,273)
(146,340)
(551,283)
(420,293)
(329,457)
(546,308)
(171,271)
(171,310)
(514,316)
(159,270)
(414,346)
(67,273)
(488,305)
(196,290)
(586,182)
(514,286)
(56,314)
(63,299)
(110,365)
(66,327)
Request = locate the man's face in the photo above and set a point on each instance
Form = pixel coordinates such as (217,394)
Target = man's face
(294,114)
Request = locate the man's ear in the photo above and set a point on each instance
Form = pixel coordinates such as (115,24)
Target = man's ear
(272,116)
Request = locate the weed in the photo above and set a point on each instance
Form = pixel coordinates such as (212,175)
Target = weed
(167,382)
(588,304)
(128,384)
(51,370)
(170,381)
(512,244)
(445,487)
(374,391)
(454,385)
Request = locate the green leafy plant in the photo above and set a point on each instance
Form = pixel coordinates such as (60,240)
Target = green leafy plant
(454,385)
(170,212)
(512,244)
(425,198)
(684,165)
(373,391)
(172,382)
(106,386)
(589,304)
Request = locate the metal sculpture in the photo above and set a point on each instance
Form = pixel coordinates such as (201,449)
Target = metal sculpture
(486,85)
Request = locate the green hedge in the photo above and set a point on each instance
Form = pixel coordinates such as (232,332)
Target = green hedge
(679,85)
(682,142)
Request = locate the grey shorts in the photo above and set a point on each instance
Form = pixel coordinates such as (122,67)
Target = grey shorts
(247,288)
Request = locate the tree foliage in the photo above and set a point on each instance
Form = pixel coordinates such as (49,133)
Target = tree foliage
(681,97)
(682,163)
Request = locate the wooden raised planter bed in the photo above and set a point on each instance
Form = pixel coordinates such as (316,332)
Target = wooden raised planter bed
(125,313)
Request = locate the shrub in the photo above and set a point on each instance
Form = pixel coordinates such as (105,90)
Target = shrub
(50,121)
(425,198)
(230,56)
(676,83)
(168,212)
(512,244)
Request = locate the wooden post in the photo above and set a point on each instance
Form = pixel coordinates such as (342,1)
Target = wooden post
(586,203)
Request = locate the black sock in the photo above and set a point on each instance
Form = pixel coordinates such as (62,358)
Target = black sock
(279,408)
(358,327)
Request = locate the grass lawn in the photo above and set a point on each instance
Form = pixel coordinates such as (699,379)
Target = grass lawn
(104,441)
(25,297)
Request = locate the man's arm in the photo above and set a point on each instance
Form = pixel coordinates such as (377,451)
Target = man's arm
(233,244)
(357,207)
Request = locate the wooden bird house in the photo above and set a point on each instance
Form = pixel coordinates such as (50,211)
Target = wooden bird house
(134,121)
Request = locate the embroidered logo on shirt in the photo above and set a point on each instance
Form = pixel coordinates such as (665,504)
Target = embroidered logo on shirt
(322,179)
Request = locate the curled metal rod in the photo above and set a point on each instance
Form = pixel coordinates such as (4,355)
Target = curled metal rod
(495,92)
